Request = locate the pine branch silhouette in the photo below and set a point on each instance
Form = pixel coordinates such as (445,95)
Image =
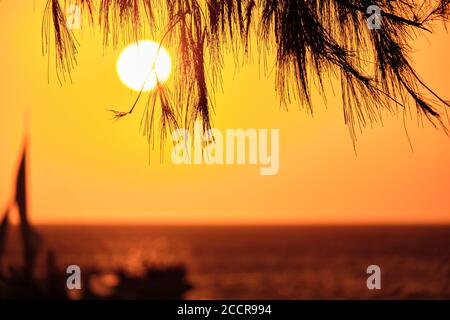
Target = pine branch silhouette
(314,40)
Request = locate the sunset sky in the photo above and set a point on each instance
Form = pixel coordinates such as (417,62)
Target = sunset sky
(85,168)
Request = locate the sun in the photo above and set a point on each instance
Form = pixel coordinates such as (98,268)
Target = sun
(142,64)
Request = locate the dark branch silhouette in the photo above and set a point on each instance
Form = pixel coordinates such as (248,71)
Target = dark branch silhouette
(313,40)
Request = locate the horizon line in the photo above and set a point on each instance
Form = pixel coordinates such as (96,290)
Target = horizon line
(241,225)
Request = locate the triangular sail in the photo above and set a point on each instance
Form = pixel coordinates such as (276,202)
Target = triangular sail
(29,237)
(21,189)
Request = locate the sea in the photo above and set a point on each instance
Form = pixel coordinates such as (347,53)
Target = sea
(295,262)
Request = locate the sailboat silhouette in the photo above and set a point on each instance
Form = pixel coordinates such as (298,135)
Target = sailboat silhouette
(30,239)
(156,283)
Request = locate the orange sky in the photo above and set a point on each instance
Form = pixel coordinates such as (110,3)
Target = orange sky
(86,169)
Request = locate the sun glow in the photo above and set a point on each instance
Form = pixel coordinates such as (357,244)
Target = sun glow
(141,65)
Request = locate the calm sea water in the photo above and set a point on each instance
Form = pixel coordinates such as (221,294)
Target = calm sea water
(270,262)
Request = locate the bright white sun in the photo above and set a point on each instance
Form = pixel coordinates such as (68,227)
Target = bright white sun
(142,64)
